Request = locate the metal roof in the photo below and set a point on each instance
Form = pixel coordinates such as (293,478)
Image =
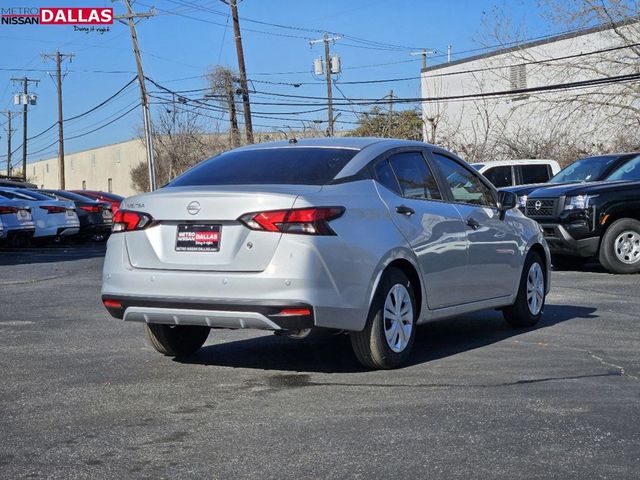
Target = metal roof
(535,43)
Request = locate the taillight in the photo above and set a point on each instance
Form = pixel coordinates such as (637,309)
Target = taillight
(128,221)
(309,221)
(6,209)
(91,208)
(53,209)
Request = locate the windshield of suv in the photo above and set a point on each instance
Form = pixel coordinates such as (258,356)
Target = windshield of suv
(587,169)
(627,171)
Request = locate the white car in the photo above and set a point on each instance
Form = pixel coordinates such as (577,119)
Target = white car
(53,219)
(15,216)
(369,236)
(507,173)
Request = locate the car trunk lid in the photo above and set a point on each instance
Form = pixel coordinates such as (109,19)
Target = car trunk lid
(203,210)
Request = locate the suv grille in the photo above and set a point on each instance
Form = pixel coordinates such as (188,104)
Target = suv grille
(541,207)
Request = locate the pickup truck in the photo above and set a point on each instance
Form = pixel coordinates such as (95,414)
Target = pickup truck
(587,169)
(586,220)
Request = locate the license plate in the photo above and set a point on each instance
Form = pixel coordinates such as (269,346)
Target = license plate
(24,215)
(198,238)
(106,214)
(70,213)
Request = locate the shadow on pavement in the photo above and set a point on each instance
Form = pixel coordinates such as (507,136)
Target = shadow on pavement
(333,354)
(50,254)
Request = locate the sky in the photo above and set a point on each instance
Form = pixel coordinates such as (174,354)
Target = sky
(187,37)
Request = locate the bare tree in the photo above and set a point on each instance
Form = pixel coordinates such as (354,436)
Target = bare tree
(179,142)
(606,113)
(222,82)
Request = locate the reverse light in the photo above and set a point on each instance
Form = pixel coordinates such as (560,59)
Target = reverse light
(305,221)
(53,209)
(578,202)
(128,221)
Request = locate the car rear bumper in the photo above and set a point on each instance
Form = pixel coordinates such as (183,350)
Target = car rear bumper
(256,315)
(561,242)
(336,301)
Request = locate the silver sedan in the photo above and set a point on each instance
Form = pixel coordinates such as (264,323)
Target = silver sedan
(367,236)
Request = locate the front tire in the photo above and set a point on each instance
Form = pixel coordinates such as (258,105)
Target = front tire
(176,340)
(527,309)
(620,247)
(388,336)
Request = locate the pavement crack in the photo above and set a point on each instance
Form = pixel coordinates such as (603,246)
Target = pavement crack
(609,364)
(621,371)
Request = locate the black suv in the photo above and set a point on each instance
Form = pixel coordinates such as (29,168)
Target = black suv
(586,220)
(587,169)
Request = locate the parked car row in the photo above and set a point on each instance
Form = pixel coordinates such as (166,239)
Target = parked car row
(28,214)
(590,209)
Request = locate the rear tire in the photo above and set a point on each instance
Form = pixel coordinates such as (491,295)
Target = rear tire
(620,247)
(529,304)
(388,336)
(176,340)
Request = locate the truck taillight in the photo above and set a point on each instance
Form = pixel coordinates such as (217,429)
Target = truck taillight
(307,221)
(128,221)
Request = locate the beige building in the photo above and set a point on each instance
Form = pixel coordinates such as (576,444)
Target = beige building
(105,168)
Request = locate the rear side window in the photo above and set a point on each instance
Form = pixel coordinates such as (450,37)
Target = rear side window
(414,176)
(268,166)
(535,173)
(386,177)
(500,176)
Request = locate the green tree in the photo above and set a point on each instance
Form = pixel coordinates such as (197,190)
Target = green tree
(405,124)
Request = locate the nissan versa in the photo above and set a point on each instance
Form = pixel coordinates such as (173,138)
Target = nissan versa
(362,235)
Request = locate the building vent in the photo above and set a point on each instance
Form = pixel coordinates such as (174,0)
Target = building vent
(518,76)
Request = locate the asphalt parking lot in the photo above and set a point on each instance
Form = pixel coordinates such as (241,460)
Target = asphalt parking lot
(84,396)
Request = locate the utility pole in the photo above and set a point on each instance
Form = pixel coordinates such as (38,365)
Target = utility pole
(425,116)
(233,118)
(144,99)
(10,130)
(59,58)
(246,106)
(390,114)
(24,100)
(424,53)
(328,68)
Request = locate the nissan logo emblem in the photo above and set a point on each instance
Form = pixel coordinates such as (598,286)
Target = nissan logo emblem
(537,205)
(193,208)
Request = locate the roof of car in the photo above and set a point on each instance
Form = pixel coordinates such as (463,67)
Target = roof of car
(494,163)
(356,143)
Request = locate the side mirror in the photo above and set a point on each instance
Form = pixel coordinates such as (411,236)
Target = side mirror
(506,201)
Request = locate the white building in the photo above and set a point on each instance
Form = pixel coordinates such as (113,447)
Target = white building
(106,168)
(591,118)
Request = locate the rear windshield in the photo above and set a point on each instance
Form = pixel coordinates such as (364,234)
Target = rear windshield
(269,166)
(70,196)
(587,169)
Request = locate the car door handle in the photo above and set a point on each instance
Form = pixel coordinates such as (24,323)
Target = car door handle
(404,210)
(473,223)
